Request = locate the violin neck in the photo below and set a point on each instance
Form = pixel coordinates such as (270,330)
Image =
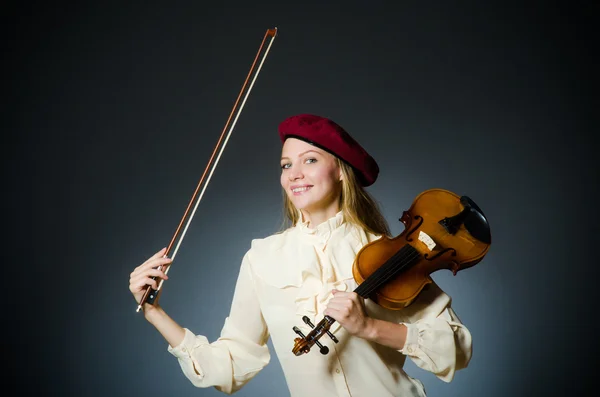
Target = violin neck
(400,261)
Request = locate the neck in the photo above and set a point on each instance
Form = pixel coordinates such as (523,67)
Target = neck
(315,218)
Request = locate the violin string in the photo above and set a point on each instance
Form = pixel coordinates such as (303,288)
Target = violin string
(396,266)
(380,273)
(393,266)
(396,263)
(401,264)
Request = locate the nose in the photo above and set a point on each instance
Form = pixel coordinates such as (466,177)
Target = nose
(295,173)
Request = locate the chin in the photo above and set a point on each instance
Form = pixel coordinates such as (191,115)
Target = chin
(301,206)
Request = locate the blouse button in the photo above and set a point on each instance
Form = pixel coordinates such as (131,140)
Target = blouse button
(337,370)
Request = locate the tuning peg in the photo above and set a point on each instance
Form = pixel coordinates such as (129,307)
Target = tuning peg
(322,349)
(310,324)
(297,330)
(307,321)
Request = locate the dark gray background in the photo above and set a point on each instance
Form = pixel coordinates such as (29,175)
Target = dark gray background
(111,111)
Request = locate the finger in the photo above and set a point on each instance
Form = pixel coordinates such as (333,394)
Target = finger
(331,312)
(334,305)
(343,297)
(339,303)
(158,273)
(339,315)
(142,270)
(355,297)
(340,294)
(342,309)
(139,285)
(159,253)
(136,277)
(156,262)
(149,281)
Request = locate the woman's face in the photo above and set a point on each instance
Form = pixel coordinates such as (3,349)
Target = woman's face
(310,177)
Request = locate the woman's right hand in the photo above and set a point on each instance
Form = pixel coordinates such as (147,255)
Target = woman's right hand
(142,276)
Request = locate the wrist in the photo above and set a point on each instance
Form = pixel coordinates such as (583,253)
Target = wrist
(152,313)
(370,331)
(385,333)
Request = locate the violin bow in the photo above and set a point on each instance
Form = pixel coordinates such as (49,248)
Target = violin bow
(150,293)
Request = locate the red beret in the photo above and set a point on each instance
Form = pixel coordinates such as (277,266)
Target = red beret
(329,136)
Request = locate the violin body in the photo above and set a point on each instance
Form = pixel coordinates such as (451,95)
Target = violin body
(444,231)
(441,231)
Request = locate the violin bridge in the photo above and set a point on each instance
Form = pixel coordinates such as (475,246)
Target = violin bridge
(427,240)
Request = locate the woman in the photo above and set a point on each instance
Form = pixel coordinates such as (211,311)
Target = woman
(306,270)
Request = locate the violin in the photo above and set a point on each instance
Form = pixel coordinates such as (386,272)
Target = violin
(441,231)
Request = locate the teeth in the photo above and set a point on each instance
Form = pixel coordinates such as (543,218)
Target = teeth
(300,189)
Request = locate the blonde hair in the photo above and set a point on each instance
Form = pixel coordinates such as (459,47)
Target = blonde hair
(356,204)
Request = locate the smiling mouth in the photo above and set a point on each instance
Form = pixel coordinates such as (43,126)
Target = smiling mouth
(300,189)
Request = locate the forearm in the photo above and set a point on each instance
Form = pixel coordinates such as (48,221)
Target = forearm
(386,333)
(166,326)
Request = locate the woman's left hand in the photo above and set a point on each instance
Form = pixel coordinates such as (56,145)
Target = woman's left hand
(347,308)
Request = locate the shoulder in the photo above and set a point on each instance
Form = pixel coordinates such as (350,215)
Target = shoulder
(260,248)
(274,259)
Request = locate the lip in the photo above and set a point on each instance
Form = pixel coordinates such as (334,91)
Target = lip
(300,186)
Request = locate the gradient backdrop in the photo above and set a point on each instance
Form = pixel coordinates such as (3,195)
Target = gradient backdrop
(111,111)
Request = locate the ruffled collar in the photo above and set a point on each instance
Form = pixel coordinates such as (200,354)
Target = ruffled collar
(325,228)
(322,275)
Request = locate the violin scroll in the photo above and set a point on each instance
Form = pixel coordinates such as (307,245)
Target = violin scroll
(303,344)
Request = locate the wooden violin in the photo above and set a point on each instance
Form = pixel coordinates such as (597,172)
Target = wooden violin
(441,231)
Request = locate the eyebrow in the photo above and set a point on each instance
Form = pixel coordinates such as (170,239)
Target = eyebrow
(302,154)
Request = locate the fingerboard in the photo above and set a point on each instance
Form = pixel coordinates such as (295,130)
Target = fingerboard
(406,257)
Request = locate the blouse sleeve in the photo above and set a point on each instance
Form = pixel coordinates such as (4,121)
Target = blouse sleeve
(437,341)
(239,353)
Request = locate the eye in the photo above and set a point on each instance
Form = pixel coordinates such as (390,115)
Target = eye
(285,166)
(311,160)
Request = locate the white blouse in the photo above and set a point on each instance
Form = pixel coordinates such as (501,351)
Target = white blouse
(291,274)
